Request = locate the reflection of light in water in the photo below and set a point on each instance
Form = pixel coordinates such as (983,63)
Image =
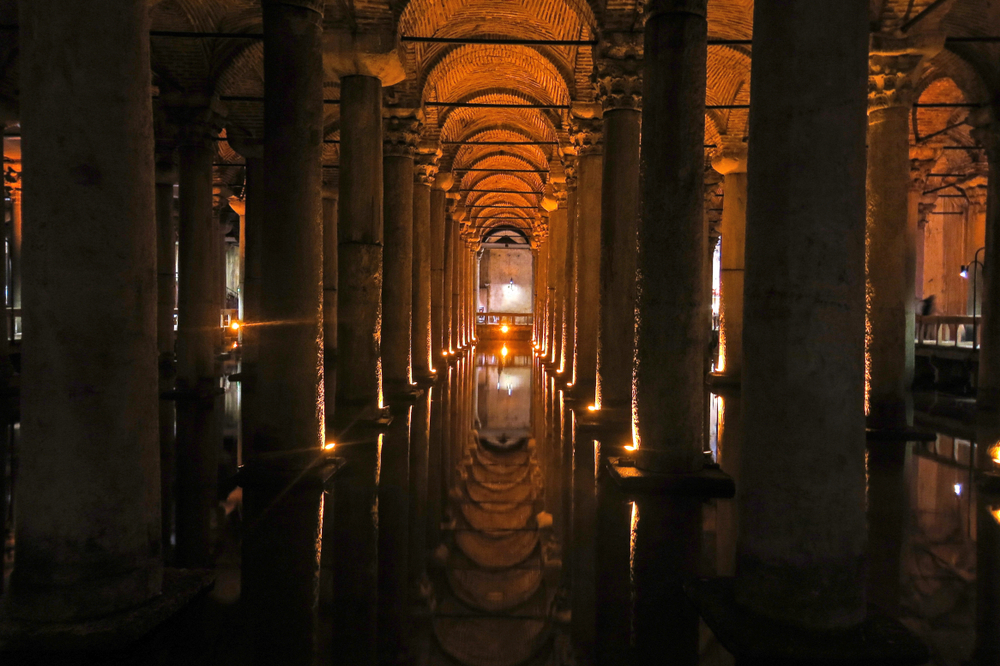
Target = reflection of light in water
(504,352)
(633,527)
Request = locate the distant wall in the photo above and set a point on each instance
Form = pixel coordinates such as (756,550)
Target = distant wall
(496,269)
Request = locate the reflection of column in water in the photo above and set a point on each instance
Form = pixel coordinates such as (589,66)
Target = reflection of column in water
(666,545)
(730,429)
(393,534)
(613,608)
(583,550)
(435,459)
(888,507)
(446,468)
(419,457)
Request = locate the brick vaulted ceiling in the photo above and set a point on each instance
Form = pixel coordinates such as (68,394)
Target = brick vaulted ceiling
(550,75)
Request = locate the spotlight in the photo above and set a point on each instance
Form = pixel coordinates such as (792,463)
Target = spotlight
(964,272)
(235,325)
(329,446)
(504,328)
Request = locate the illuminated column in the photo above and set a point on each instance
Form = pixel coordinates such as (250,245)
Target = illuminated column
(281,480)
(442,183)
(557,275)
(894,66)
(330,297)
(401,133)
(16,224)
(447,288)
(586,135)
(569,329)
(731,162)
(619,83)
(542,289)
(360,249)
(670,329)
(199,339)
(88,514)
(801,562)
(423,178)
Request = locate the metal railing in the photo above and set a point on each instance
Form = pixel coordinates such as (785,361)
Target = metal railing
(501,318)
(955,331)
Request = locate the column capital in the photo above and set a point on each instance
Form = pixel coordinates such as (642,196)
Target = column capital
(922,161)
(587,135)
(618,70)
(373,52)
(198,119)
(731,155)
(569,166)
(985,123)
(12,180)
(425,166)
(894,66)
(444,180)
(401,131)
(923,213)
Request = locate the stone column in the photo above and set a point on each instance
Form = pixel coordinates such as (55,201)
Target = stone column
(448,315)
(587,139)
(330,279)
(619,84)
(16,226)
(670,333)
(360,231)
(282,486)
(894,65)
(557,274)
(199,338)
(359,386)
(542,292)
(442,182)
(88,513)
(422,352)
(801,547)
(456,287)
(567,359)
(731,162)
(401,133)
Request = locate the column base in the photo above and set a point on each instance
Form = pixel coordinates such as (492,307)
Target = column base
(754,639)
(708,482)
(408,395)
(135,636)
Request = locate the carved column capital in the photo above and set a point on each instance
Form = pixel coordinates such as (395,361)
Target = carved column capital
(425,167)
(618,70)
(894,66)
(923,214)
(731,155)
(570,168)
(587,135)
(400,132)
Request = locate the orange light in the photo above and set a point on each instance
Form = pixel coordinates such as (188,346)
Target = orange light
(235,325)
(235,345)
(329,446)
(995,512)
(504,328)
(592,408)
(631,447)
(503,351)
(995,453)
(444,353)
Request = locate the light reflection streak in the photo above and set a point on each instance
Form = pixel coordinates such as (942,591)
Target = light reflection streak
(633,528)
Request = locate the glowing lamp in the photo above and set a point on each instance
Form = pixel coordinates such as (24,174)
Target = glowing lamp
(592,408)
(235,325)
(995,512)
(958,489)
(995,453)
(504,328)
(964,272)
(631,447)
(503,351)
(329,446)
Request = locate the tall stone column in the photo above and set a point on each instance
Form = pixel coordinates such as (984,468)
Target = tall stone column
(401,133)
(448,315)
(619,83)
(559,222)
(894,66)
(281,480)
(360,231)
(587,139)
(439,210)
(199,338)
(670,334)
(89,375)
(542,292)
(359,385)
(16,244)
(456,287)
(566,361)
(422,352)
(801,547)
(731,162)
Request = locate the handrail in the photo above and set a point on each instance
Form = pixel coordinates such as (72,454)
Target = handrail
(947,331)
